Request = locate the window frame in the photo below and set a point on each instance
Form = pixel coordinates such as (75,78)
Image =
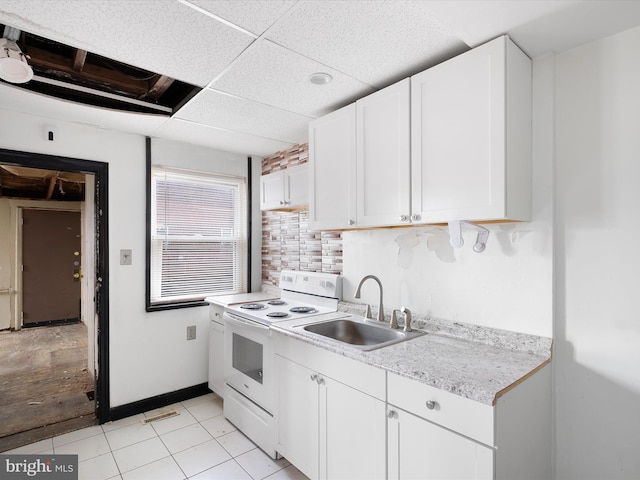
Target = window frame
(177,304)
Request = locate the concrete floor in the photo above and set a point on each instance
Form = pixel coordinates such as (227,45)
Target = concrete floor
(43,383)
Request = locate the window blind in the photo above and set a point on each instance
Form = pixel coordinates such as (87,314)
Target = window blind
(198,235)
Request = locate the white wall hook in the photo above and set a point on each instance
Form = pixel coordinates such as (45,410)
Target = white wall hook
(455,235)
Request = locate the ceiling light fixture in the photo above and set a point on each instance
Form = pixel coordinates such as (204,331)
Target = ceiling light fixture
(13,63)
(320,78)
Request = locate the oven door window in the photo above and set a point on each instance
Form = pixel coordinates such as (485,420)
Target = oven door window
(247,357)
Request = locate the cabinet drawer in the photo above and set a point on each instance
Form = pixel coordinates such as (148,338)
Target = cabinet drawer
(457,413)
(356,374)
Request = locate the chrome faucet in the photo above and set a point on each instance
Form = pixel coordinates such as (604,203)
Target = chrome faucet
(380,307)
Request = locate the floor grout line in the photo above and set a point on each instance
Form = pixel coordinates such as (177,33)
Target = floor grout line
(162,438)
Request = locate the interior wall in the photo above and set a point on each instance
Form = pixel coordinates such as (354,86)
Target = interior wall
(149,352)
(507,286)
(597,332)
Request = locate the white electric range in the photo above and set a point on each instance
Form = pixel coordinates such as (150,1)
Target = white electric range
(248,363)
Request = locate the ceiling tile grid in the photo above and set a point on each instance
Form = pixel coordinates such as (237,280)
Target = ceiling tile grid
(254,57)
(254,16)
(240,115)
(376,42)
(273,75)
(221,139)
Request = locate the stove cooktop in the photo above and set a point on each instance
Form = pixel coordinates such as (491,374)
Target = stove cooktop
(283,309)
(302,294)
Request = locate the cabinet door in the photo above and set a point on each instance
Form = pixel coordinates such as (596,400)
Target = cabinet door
(332,163)
(297,415)
(216,350)
(272,191)
(352,433)
(383,157)
(458,137)
(296,186)
(419,449)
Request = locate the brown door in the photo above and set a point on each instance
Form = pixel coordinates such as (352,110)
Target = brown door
(51,266)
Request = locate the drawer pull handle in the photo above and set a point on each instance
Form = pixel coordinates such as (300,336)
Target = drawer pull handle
(431,404)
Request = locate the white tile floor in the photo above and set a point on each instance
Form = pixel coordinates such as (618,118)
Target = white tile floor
(198,444)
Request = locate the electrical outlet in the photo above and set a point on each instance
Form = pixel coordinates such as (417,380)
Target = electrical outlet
(125,257)
(191,332)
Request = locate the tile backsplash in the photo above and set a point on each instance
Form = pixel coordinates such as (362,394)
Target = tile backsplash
(287,241)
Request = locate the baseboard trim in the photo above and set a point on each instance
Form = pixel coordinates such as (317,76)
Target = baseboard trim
(159,401)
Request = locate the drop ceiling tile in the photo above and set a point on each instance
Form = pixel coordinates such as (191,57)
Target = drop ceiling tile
(15,99)
(252,15)
(273,75)
(219,139)
(377,42)
(477,22)
(163,36)
(232,113)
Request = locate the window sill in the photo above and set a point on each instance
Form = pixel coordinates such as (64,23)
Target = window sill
(174,306)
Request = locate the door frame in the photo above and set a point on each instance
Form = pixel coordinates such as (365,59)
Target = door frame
(100,170)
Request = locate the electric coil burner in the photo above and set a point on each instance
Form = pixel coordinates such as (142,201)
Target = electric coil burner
(277,315)
(253,306)
(303,309)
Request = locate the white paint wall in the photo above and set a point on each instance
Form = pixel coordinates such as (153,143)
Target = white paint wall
(508,286)
(597,331)
(149,352)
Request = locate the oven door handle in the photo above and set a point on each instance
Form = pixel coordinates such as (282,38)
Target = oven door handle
(230,317)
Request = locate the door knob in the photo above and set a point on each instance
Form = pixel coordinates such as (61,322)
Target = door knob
(76,275)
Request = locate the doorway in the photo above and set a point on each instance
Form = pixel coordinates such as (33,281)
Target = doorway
(51,268)
(51,317)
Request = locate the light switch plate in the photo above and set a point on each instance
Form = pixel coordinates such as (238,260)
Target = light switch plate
(125,257)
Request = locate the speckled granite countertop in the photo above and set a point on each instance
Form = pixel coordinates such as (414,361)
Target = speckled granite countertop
(473,362)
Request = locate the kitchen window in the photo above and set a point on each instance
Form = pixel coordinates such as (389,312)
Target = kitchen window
(197,238)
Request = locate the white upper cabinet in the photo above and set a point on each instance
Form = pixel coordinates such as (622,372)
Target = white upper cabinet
(383,157)
(451,143)
(471,137)
(332,160)
(360,161)
(286,189)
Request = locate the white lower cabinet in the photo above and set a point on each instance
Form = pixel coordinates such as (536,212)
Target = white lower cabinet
(326,428)
(419,449)
(339,418)
(434,434)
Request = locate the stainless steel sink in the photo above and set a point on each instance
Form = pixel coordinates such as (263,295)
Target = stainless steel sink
(358,334)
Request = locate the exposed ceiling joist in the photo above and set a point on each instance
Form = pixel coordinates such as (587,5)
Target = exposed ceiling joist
(159,86)
(79,59)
